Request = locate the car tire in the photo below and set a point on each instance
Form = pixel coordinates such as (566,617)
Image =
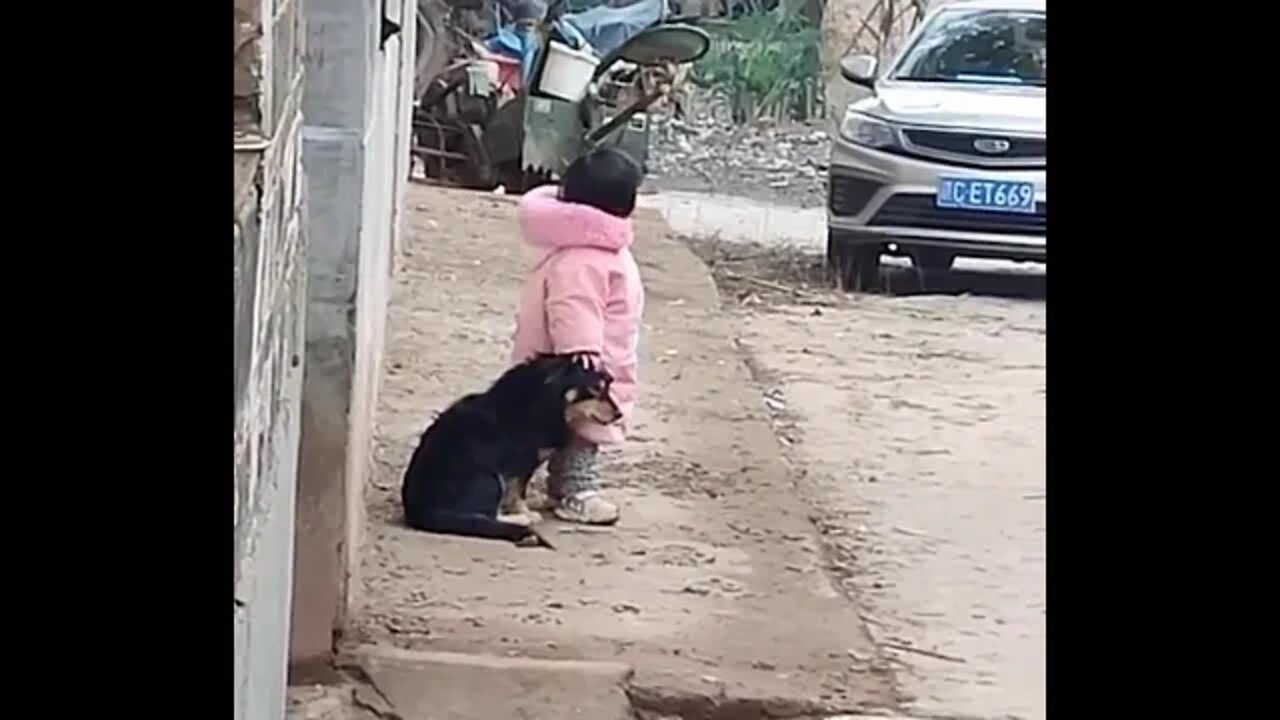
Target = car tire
(855,266)
(932,259)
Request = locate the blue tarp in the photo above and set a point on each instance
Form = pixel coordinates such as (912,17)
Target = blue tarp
(601,28)
(606,28)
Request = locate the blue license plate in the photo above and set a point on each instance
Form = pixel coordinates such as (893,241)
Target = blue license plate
(987,195)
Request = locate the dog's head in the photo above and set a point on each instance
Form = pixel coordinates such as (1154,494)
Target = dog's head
(582,389)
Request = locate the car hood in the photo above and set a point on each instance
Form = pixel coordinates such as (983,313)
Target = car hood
(974,107)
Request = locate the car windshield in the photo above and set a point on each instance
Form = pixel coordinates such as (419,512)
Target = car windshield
(1004,47)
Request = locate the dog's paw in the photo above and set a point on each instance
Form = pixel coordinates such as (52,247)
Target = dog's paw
(534,539)
(530,540)
(528,517)
(539,502)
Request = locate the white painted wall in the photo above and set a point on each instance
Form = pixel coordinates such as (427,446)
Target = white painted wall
(357,119)
(403,113)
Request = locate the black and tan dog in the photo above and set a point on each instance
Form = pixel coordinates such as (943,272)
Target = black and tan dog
(476,459)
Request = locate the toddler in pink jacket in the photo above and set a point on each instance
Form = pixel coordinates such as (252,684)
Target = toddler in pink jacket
(584,295)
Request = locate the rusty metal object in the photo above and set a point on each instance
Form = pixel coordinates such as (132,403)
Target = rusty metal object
(451,152)
(466,133)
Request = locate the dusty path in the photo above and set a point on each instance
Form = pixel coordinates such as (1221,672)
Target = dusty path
(713,584)
(918,424)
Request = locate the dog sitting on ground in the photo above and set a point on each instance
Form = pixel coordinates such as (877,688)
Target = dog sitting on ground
(476,458)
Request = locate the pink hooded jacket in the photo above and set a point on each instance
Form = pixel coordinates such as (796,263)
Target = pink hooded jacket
(582,295)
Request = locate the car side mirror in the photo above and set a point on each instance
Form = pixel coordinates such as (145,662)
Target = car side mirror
(859,69)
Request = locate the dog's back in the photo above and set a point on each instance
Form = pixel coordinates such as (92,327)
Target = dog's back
(454,481)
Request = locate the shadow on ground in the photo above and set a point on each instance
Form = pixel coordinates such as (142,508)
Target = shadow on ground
(989,279)
(748,272)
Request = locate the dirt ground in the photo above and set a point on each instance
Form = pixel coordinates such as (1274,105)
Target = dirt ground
(831,503)
(917,423)
(714,583)
(767,162)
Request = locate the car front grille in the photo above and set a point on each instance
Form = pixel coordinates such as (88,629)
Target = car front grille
(848,195)
(919,211)
(962,143)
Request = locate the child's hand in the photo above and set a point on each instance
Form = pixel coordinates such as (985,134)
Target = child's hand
(588,360)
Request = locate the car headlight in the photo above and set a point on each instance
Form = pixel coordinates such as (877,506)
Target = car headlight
(865,130)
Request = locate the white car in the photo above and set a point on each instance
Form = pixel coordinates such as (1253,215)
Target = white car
(947,156)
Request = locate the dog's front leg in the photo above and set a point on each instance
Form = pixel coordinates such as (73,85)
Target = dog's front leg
(514,508)
(512,497)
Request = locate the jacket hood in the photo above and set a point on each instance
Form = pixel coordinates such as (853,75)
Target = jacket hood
(548,223)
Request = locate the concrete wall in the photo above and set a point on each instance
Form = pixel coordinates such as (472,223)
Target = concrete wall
(270,296)
(355,147)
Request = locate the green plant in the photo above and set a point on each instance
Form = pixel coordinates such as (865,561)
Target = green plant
(764,63)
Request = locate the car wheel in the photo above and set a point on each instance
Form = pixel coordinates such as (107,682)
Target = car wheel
(932,258)
(855,266)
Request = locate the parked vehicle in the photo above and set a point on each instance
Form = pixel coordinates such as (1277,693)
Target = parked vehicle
(947,156)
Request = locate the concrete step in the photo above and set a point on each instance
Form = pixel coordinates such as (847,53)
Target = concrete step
(418,685)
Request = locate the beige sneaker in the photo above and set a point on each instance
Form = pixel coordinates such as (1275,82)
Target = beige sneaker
(587,508)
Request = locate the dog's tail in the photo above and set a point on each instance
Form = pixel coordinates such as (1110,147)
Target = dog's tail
(475,525)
